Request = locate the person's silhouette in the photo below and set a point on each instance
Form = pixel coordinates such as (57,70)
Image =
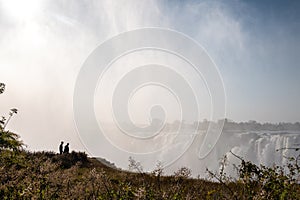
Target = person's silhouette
(61,147)
(66,150)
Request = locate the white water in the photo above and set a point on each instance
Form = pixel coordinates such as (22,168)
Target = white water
(258,147)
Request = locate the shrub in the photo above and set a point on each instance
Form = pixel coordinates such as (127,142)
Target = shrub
(262,182)
(8,140)
(68,160)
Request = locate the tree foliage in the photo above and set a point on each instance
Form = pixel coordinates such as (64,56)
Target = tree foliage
(8,139)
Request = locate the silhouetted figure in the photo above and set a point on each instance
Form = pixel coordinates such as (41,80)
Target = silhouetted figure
(66,150)
(61,147)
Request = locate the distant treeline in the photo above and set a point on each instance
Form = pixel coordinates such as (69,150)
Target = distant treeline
(236,126)
(253,126)
(228,125)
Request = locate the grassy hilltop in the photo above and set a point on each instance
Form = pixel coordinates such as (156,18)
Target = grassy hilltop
(46,175)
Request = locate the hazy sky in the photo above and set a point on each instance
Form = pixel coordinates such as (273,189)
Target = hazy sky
(43,44)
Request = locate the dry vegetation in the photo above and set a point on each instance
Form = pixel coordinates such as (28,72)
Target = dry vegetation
(46,175)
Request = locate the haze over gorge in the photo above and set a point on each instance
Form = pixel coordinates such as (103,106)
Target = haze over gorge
(131,78)
(260,143)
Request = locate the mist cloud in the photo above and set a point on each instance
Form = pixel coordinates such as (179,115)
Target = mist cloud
(41,56)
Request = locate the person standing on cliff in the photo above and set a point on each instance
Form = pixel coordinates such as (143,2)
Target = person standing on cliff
(61,147)
(66,150)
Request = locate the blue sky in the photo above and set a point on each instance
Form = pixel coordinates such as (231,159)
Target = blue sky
(258,56)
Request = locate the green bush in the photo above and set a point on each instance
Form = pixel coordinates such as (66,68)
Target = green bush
(8,140)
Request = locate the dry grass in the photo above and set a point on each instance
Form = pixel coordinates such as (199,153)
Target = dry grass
(46,175)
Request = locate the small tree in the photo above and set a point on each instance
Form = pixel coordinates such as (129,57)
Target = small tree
(8,140)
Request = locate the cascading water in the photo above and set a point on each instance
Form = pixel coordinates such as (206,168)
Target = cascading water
(259,147)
